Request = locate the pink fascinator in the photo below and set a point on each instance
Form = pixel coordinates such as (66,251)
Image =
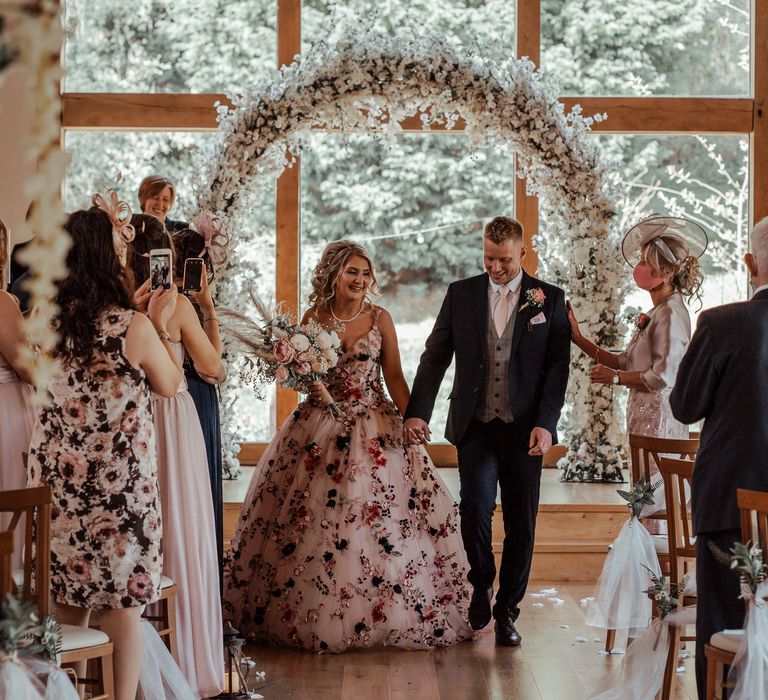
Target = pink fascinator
(119,213)
(216,242)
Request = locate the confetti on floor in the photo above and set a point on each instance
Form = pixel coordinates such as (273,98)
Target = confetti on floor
(617,650)
(556,601)
(581,640)
(565,627)
(537,605)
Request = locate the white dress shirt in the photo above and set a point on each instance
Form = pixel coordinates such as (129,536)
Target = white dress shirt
(514,293)
(760,289)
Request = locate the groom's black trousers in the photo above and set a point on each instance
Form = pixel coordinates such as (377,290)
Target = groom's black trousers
(490,454)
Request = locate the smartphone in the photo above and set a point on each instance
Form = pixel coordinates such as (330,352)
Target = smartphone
(160,268)
(193,275)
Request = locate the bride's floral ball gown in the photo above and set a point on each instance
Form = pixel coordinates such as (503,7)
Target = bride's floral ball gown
(348,537)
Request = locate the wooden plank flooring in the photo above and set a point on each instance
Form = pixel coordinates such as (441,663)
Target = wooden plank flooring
(550,664)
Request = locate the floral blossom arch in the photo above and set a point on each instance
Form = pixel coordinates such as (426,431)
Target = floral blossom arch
(368,81)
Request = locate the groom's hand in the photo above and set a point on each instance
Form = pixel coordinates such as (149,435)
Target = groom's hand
(540,442)
(416,431)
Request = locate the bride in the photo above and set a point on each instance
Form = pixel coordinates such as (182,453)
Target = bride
(348,537)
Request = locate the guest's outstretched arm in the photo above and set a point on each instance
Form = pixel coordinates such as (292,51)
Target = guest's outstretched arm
(598,354)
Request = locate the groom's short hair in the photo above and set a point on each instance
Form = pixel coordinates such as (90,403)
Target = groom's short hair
(502,228)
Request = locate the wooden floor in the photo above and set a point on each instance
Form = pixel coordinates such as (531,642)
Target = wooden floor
(551,664)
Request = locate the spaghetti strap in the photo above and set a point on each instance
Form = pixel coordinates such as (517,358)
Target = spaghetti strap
(376,313)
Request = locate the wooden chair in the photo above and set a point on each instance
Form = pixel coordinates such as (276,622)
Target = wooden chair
(163,615)
(721,649)
(644,454)
(6,552)
(34,585)
(677,475)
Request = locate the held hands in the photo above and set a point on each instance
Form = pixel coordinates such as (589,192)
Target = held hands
(600,374)
(161,305)
(416,432)
(540,442)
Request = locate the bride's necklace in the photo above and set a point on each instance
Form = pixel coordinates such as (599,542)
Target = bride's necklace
(347,320)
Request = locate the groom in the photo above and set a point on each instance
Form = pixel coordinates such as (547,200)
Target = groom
(510,335)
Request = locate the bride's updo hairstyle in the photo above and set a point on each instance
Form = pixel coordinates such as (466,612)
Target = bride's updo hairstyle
(687,276)
(334,259)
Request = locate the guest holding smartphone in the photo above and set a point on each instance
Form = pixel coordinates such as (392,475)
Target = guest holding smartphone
(94,445)
(190,246)
(189,539)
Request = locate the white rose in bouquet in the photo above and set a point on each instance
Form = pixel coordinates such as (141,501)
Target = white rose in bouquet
(300,342)
(335,340)
(324,341)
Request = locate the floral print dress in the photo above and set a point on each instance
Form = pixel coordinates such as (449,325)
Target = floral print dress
(348,537)
(95,447)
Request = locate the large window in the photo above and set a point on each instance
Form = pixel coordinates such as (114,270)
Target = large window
(677,80)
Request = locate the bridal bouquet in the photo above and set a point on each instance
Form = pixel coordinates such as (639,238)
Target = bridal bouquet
(276,349)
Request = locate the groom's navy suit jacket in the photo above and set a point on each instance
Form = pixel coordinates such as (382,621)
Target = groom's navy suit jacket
(538,367)
(723,378)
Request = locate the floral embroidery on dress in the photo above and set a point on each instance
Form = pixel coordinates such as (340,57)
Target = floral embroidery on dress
(95,447)
(348,538)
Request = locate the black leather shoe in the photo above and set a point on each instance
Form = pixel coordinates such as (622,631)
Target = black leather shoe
(506,634)
(480,608)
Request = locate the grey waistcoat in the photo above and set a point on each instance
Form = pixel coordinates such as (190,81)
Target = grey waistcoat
(494,394)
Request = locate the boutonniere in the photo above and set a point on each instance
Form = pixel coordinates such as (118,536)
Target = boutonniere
(534,297)
(641,322)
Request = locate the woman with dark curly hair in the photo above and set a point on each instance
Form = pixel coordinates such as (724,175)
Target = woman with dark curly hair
(348,538)
(94,445)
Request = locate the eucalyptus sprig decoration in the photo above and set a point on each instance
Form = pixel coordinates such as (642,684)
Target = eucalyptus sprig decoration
(23,634)
(665,593)
(640,496)
(747,561)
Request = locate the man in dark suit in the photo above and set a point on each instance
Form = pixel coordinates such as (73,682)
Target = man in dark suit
(723,379)
(511,339)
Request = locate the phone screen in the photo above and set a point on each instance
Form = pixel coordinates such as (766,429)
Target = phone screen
(193,275)
(160,270)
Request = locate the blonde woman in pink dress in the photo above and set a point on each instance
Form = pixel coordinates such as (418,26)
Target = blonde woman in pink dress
(348,538)
(189,532)
(16,416)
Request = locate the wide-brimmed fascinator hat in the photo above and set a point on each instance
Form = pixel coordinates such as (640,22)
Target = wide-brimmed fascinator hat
(652,228)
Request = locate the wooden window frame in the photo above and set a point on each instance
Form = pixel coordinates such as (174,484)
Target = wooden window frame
(635,115)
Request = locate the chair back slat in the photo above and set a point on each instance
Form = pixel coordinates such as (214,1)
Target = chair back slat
(753,506)
(645,451)
(677,475)
(6,571)
(35,505)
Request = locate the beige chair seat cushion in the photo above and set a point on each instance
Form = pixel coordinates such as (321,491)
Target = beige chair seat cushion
(727,641)
(18,577)
(73,637)
(660,544)
(166,582)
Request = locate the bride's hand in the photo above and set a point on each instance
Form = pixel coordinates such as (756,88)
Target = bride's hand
(318,392)
(575,330)
(600,374)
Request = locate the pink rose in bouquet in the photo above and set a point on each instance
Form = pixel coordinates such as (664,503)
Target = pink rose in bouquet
(283,351)
(281,375)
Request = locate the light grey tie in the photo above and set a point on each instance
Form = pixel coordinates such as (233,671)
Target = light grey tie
(501,312)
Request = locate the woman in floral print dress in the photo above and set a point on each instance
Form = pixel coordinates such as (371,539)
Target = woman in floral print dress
(348,537)
(94,445)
